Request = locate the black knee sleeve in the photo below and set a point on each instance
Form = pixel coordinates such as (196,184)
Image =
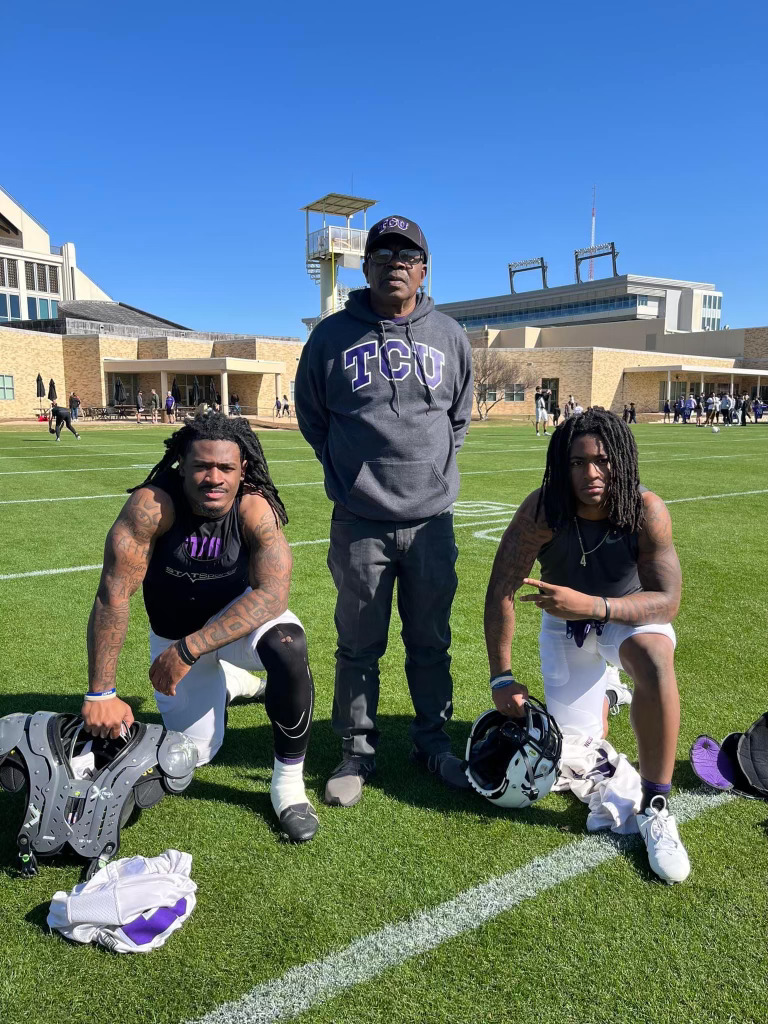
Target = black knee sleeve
(290,692)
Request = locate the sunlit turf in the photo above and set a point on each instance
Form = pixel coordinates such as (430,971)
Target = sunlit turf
(611,946)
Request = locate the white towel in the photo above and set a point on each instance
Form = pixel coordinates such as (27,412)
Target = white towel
(130,906)
(603,779)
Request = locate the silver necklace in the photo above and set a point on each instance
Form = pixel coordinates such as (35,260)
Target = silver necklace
(584,553)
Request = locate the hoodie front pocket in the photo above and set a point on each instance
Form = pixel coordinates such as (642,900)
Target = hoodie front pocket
(402,487)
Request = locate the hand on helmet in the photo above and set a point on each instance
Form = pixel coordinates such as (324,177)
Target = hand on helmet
(509,699)
(106,718)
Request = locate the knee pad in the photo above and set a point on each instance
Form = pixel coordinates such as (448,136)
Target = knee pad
(37,751)
(284,647)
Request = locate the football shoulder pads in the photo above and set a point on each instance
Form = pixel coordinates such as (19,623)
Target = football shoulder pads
(513,762)
(86,814)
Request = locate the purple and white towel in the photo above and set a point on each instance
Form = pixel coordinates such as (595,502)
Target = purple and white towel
(130,906)
(601,778)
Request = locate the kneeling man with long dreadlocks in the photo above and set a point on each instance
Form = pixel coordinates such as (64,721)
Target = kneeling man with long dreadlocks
(609,589)
(203,535)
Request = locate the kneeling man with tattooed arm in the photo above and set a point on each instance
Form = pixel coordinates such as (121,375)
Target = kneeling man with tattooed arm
(609,589)
(203,535)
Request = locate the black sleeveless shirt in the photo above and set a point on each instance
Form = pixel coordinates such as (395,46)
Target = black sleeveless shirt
(197,568)
(610,569)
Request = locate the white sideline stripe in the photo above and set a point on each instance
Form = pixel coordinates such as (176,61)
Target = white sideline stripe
(645,462)
(302,988)
(47,572)
(471,472)
(731,494)
(76,497)
(640,444)
(79,454)
(494,519)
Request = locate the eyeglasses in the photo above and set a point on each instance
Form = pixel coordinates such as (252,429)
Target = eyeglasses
(409,256)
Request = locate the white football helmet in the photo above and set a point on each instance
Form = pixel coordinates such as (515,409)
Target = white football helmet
(513,762)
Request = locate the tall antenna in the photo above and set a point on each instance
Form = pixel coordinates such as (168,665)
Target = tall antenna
(592,242)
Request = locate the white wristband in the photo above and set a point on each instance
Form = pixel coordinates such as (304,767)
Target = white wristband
(502,680)
(106,695)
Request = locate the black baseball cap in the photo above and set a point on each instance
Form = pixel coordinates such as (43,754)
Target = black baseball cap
(396,226)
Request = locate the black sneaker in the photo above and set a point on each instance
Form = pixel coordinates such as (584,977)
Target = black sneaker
(299,822)
(445,765)
(345,786)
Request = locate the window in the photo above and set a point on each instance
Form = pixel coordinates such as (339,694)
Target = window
(490,395)
(703,323)
(42,279)
(3,307)
(32,309)
(292,390)
(551,384)
(515,393)
(53,278)
(43,304)
(13,273)
(642,300)
(29,275)
(2,273)
(6,387)
(15,307)
(54,309)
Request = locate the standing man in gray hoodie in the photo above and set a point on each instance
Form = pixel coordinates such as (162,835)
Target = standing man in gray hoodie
(384,396)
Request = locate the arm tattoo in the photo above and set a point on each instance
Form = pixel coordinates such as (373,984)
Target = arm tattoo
(127,551)
(658,568)
(270,572)
(524,538)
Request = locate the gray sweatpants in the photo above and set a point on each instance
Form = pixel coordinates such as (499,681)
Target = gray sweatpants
(366,556)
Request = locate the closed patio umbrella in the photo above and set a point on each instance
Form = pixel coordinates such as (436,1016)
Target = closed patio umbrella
(120,397)
(211,391)
(195,397)
(40,390)
(176,392)
(52,396)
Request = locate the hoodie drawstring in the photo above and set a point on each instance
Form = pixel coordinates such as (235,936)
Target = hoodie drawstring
(382,344)
(417,357)
(383,352)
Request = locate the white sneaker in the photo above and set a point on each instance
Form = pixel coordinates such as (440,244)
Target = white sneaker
(666,853)
(623,693)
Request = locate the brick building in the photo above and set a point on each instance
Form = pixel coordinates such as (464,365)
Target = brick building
(610,364)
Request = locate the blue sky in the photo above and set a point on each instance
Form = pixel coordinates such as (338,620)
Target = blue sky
(174,143)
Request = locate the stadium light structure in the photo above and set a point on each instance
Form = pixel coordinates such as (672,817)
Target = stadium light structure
(592,252)
(521,265)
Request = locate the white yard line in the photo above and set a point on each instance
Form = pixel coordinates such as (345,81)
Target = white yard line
(302,988)
(730,494)
(491,520)
(76,497)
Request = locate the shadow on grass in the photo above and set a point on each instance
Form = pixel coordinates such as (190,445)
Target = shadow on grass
(248,749)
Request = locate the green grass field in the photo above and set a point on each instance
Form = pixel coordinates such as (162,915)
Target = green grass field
(607,944)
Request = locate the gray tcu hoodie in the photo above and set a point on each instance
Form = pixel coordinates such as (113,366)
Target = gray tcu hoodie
(386,406)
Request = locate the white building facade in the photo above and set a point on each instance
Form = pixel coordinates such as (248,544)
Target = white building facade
(35,275)
(682,305)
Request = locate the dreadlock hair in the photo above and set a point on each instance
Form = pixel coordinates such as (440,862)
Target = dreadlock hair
(624,502)
(215,426)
